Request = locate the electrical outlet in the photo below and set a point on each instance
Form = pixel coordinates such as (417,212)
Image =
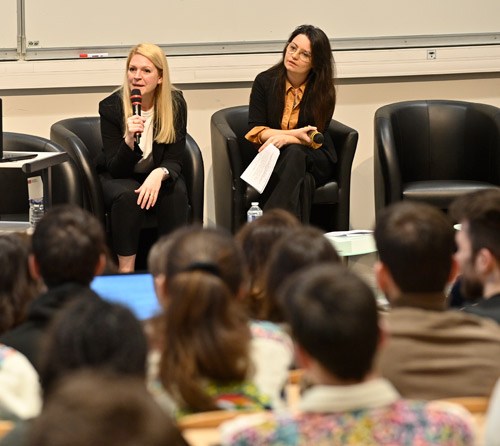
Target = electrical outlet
(431,54)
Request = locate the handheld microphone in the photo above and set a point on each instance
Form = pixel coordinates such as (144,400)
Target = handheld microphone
(316,136)
(136,99)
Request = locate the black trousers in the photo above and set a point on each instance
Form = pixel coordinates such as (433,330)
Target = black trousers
(298,171)
(171,208)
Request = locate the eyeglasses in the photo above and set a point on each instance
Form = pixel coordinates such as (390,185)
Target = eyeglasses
(303,56)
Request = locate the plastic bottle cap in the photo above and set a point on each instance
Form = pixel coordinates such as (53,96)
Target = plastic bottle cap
(255,203)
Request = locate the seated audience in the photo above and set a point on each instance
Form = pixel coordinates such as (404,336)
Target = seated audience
(87,333)
(257,239)
(478,253)
(301,247)
(432,352)
(91,408)
(334,322)
(210,347)
(69,249)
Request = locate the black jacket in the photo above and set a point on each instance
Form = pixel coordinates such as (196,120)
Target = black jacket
(119,160)
(267,110)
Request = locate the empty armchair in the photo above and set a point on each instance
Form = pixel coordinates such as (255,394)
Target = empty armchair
(434,151)
(232,153)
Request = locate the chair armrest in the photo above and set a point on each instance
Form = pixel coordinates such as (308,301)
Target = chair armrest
(345,140)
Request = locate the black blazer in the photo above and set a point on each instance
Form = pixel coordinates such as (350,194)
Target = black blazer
(119,160)
(266,109)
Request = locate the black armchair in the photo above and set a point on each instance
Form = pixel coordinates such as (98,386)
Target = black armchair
(232,153)
(435,151)
(81,138)
(66,186)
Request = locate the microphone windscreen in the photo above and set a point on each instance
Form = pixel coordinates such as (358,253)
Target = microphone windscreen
(318,137)
(136,96)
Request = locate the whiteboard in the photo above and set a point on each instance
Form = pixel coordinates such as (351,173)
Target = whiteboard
(56,24)
(8,30)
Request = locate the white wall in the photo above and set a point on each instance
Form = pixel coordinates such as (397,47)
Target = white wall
(33,111)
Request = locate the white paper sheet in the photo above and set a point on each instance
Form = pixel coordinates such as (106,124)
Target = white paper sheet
(259,171)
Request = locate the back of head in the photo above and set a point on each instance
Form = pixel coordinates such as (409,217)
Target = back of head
(92,333)
(333,317)
(206,330)
(210,246)
(89,408)
(480,214)
(415,241)
(257,238)
(17,286)
(301,247)
(67,245)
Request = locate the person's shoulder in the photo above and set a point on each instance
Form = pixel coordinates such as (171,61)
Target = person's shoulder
(445,416)
(111,101)
(436,422)
(265,76)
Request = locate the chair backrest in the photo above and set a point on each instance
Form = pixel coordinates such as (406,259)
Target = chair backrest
(440,140)
(66,186)
(81,137)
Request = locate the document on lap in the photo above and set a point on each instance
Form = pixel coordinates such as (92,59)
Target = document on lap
(259,171)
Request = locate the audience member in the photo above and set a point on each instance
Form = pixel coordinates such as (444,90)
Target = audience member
(20,394)
(206,355)
(69,249)
(92,333)
(478,254)
(17,287)
(257,238)
(91,408)
(301,247)
(222,266)
(334,322)
(432,352)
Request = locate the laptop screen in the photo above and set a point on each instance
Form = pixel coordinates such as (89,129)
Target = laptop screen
(135,291)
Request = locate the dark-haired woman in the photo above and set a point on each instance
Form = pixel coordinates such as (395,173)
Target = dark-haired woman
(289,101)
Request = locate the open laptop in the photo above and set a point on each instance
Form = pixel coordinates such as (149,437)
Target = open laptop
(11,156)
(135,291)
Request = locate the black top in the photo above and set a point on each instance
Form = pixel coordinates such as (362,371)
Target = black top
(267,110)
(119,160)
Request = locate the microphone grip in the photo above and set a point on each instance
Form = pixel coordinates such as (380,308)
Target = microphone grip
(136,108)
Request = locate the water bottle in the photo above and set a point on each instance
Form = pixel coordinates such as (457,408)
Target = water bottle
(36,212)
(254,212)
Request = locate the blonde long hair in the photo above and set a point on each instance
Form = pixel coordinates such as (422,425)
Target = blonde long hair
(165,107)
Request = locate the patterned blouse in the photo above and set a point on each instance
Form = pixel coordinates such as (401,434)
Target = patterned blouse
(402,423)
